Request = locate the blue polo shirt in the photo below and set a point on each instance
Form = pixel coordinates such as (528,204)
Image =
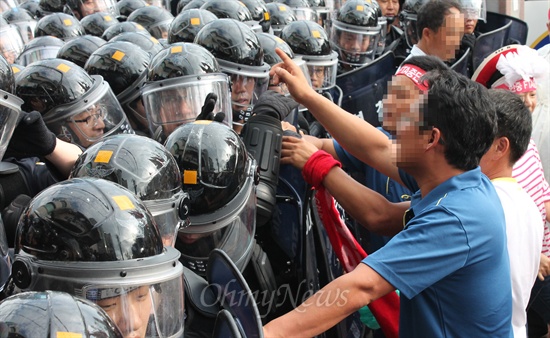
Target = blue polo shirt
(450,262)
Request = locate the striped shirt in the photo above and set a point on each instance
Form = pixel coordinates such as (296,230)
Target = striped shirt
(530,176)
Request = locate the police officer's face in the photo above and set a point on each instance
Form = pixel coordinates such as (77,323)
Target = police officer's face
(317,74)
(242,89)
(353,42)
(88,7)
(130,311)
(89,125)
(175,112)
(389,7)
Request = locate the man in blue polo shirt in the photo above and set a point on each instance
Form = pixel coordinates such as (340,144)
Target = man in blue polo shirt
(450,260)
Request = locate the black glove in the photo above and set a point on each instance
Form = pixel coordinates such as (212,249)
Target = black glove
(31,137)
(274,104)
(208,108)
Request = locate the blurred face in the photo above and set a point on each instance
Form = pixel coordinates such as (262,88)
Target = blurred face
(469,25)
(402,117)
(353,42)
(242,89)
(88,125)
(317,75)
(530,99)
(88,7)
(446,41)
(130,312)
(389,7)
(175,112)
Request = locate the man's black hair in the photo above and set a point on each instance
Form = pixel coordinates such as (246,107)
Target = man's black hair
(426,63)
(514,121)
(464,113)
(432,14)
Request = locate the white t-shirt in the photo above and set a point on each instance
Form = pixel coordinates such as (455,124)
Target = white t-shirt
(524,235)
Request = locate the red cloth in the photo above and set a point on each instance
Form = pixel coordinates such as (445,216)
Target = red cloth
(347,249)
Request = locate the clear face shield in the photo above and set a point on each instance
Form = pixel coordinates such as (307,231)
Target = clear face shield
(357,46)
(173,102)
(26,29)
(38,53)
(383,23)
(148,301)
(304,13)
(409,29)
(87,7)
(94,116)
(281,87)
(166,215)
(247,84)
(230,228)
(10,108)
(11,43)
(322,70)
(160,30)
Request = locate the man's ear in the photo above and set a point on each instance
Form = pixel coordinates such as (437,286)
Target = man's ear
(502,146)
(434,139)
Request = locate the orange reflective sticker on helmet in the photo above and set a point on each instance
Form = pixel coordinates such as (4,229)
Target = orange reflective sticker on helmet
(123,202)
(360,8)
(176,49)
(140,27)
(107,18)
(202,122)
(315,34)
(282,8)
(63,67)
(68,335)
(154,40)
(189,177)
(118,55)
(195,21)
(15,69)
(241,3)
(68,22)
(266,16)
(103,156)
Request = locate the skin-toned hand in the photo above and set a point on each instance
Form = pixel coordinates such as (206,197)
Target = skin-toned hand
(296,151)
(287,126)
(544,266)
(289,73)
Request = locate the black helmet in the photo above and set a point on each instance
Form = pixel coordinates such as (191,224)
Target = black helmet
(23,20)
(309,40)
(126,7)
(53,314)
(97,23)
(219,176)
(96,240)
(7,81)
(280,15)
(180,78)
(188,23)
(82,8)
(77,107)
(34,8)
(240,55)
(186,4)
(147,43)
(123,27)
(232,9)
(52,6)
(356,33)
(147,169)
(60,25)
(407,20)
(259,13)
(154,19)
(79,49)
(39,48)
(302,9)
(11,42)
(124,66)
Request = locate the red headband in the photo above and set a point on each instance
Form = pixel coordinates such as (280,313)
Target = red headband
(414,73)
(520,86)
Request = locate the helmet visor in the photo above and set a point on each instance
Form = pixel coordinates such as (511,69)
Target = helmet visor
(26,29)
(173,102)
(160,30)
(94,6)
(36,54)
(410,30)
(94,116)
(356,46)
(245,91)
(11,43)
(166,215)
(304,13)
(322,70)
(235,238)
(10,108)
